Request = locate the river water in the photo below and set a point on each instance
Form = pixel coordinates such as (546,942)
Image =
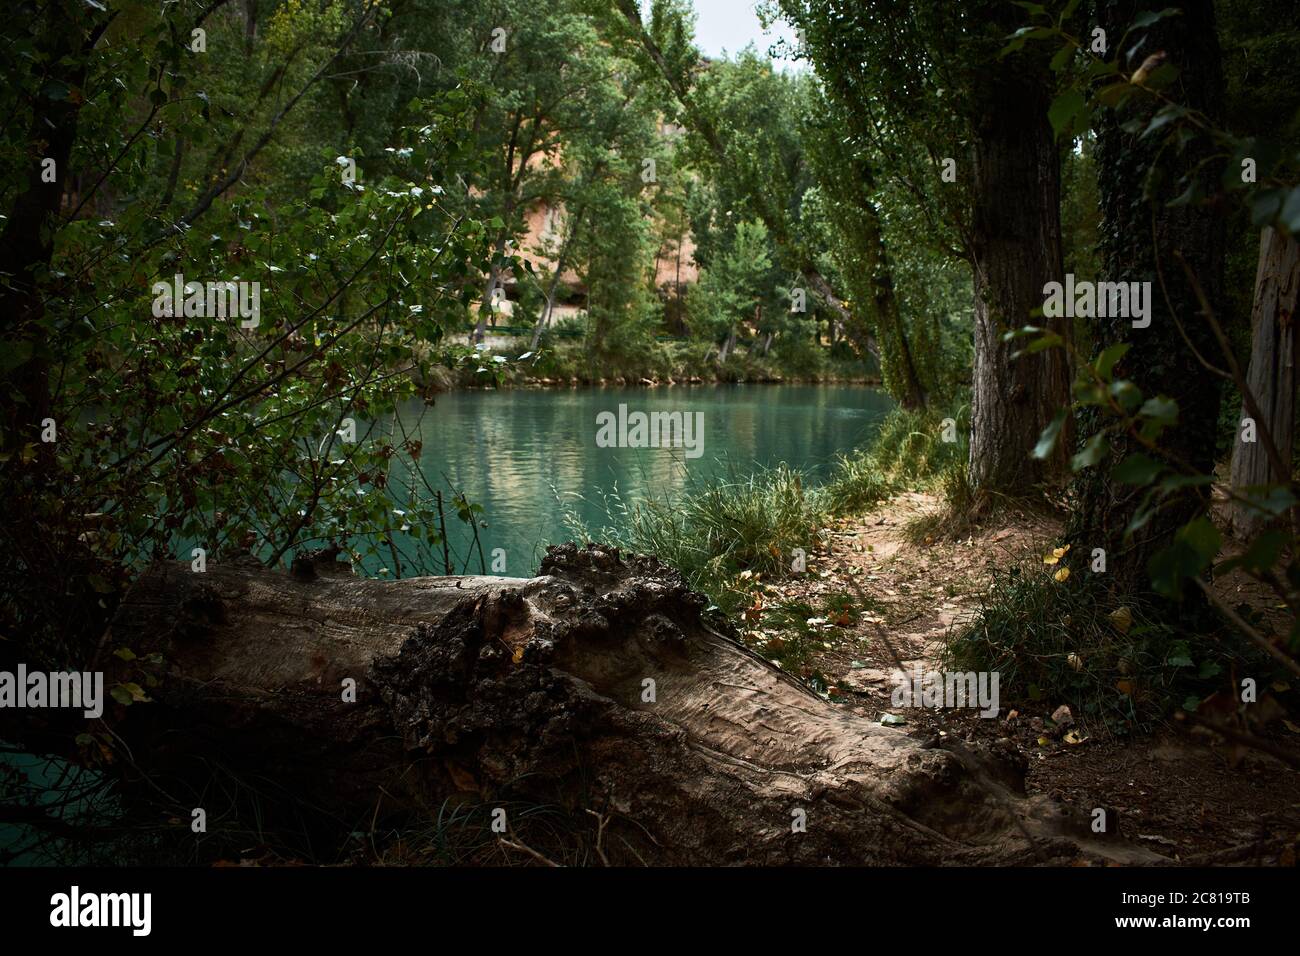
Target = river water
(529,456)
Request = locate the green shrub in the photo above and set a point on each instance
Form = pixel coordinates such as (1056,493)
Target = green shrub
(1065,641)
(716,530)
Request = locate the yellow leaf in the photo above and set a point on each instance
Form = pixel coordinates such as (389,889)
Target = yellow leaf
(1056,555)
(1061,575)
(1122,618)
(518,655)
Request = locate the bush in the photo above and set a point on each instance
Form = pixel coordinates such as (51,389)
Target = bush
(1066,642)
(908,452)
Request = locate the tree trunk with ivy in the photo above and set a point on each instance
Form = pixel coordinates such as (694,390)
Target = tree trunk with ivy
(1142,240)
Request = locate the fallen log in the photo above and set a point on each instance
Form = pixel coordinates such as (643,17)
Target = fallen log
(599,688)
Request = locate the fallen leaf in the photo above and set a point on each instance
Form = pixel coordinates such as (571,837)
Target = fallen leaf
(1122,618)
(1163,841)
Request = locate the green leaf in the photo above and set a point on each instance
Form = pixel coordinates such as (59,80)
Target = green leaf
(1064,111)
(1136,469)
(14,353)
(1145,512)
(1047,440)
(1092,452)
(1106,360)
(1265,206)
(1164,118)
(1290,215)
(1045,341)
(1203,537)
(1062,58)
(1159,413)
(1260,556)
(98,584)
(1193,549)
(1160,409)
(1114,94)
(1126,393)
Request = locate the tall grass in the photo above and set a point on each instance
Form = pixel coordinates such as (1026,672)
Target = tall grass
(724,533)
(908,454)
(719,529)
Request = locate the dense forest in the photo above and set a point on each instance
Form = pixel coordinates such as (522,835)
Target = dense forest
(243,239)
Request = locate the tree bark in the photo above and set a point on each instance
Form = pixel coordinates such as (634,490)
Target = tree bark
(1271,375)
(1016,250)
(727,346)
(27,239)
(598,689)
(1142,239)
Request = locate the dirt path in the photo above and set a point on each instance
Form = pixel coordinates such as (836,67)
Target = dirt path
(875,599)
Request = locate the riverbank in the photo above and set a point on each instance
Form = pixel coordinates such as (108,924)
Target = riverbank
(881,596)
(507,362)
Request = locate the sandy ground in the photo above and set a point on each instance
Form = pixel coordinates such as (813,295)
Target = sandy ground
(1182,791)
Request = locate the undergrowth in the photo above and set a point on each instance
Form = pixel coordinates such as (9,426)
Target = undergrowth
(726,534)
(1057,639)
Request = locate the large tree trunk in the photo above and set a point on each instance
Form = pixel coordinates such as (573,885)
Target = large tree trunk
(898,366)
(1141,240)
(1271,376)
(27,238)
(598,690)
(1016,249)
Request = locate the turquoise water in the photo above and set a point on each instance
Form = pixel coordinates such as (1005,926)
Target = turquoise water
(528,456)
